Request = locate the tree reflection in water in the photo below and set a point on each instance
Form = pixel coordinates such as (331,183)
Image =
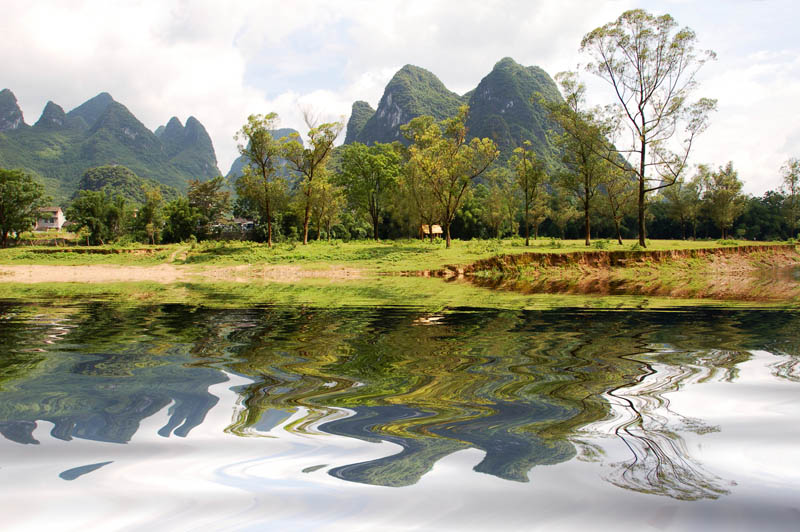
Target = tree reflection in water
(527,388)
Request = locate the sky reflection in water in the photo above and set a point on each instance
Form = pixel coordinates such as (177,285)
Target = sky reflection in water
(303,418)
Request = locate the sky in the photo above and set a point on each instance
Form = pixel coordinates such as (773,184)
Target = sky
(222,61)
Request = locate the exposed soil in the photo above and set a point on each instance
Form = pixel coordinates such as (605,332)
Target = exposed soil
(757,273)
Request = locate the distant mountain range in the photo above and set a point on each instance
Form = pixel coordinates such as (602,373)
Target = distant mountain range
(500,108)
(60,146)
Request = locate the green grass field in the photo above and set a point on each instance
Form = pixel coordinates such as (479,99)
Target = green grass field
(380,257)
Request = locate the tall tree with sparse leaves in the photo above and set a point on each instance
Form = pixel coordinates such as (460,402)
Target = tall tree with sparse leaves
(531,179)
(310,162)
(651,65)
(582,140)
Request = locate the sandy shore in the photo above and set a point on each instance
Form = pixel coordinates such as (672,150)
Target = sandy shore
(168,274)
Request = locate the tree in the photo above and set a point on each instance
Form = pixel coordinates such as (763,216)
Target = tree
(723,196)
(180,220)
(369,175)
(416,176)
(150,217)
(651,66)
(619,191)
(531,180)
(100,214)
(261,182)
(20,199)
(440,154)
(210,201)
(791,183)
(683,203)
(310,162)
(326,205)
(563,212)
(501,201)
(581,142)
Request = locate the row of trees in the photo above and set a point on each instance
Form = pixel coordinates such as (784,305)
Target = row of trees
(617,160)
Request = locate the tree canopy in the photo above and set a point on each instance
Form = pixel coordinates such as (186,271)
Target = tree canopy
(21,196)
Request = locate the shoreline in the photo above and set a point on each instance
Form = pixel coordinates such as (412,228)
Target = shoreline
(741,274)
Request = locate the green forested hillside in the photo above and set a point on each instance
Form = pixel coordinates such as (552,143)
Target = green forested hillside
(120,180)
(412,92)
(60,147)
(500,107)
(360,115)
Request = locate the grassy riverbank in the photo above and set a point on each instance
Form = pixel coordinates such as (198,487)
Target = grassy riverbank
(394,273)
(382,257)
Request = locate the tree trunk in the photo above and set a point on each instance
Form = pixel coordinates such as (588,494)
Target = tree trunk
(306,219)
(641,213)
(587,227)
(528,227)
(619,233)
(447,232)
(5,238)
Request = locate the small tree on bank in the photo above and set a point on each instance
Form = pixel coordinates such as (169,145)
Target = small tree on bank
(651,65)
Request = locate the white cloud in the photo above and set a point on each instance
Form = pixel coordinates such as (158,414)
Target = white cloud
(221,61)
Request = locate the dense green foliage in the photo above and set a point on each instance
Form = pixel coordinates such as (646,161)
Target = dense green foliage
(102,216)
(20,199)
(60,147)
(369,174)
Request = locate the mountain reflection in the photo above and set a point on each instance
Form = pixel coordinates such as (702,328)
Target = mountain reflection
(527,388)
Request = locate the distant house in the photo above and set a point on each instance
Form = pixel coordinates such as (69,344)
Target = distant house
(50,218)
(244,224)
(435,229)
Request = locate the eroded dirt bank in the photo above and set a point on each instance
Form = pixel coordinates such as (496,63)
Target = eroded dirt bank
(741,273)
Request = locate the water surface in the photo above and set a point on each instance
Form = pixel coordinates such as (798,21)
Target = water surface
(179,417)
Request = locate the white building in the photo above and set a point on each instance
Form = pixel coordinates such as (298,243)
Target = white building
(50,218)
